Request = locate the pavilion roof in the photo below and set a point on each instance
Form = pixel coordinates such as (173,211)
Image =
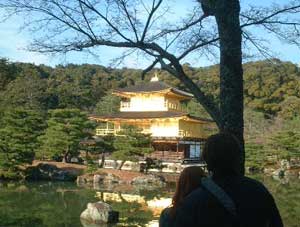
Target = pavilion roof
(152,86)
(133,115)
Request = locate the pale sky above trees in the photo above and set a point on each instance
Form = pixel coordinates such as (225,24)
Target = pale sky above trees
(13,44)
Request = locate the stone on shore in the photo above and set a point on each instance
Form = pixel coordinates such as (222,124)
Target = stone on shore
(149,180)
(98,179)
(99,213)
(268,171)
(45,171)
(279,173)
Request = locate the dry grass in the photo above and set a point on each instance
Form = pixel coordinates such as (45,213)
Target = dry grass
(75,168)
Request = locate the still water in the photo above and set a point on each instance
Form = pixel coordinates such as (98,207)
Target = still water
(56,204)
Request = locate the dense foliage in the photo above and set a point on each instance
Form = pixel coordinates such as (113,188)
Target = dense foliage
(131,144)
(19,131)
(107,105)
(66,128)
(286,142)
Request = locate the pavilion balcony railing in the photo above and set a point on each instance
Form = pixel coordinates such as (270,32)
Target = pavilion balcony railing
(174,106)
(125,105)
(184,133)
(105,131)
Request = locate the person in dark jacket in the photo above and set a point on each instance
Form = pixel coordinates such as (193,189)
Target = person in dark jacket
(227,198)
(189,180)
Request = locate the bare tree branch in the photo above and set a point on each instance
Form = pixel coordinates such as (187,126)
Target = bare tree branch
(185,27)
(261,49)
(149,68)
(256,21)
(123,3)
(210,106)
(106,20)
(151,13)
(197,46)
(86,20)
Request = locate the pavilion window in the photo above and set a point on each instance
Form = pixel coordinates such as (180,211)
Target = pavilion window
(195,150)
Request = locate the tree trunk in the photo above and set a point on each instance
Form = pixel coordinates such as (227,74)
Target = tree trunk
(231,72)
(121,165)
(102,160)
(66,157)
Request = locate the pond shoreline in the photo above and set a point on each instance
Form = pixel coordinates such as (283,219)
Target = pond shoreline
(58,171)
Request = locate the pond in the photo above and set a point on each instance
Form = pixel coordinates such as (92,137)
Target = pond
(57,204)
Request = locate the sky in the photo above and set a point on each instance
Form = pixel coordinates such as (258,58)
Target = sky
(13,43)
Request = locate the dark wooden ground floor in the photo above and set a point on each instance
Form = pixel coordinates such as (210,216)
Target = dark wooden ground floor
(177,149)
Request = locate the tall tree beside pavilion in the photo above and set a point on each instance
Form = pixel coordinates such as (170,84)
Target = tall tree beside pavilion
(130,144)
(66,128)
(19,130)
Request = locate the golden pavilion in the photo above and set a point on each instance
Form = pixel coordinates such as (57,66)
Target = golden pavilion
(157,109)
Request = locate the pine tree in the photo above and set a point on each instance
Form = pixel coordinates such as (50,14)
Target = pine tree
(18,139)
(130,144)
(255,155)
(286,142)
(107,105)
(66,128)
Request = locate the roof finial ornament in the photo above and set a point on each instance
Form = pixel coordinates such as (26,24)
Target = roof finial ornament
(155,78)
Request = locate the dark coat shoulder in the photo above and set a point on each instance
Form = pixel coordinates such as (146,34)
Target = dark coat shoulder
(255,206)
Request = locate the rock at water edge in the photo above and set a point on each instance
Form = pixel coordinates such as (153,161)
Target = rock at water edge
(149,180)
(99,213)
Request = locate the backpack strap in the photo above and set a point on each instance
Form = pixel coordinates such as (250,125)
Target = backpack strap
(220,195)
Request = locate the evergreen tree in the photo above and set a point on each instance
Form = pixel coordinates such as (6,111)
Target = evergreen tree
(256,136)
(194,108)
(290,108)
(7,73)
(28,91)
(255,155)
(98,145)
(70,91)
(108,104)
(130,144)
(66,128)
(268,83)
(19,131)
(286,142)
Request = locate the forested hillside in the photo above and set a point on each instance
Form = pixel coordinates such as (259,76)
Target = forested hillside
(272,88)
(272,101)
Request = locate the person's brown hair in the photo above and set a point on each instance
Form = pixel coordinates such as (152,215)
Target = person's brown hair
(222,154)
(189,180)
